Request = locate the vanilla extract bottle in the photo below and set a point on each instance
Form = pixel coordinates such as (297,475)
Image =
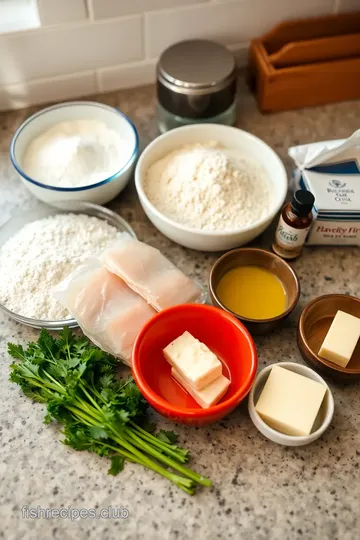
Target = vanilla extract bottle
(294,224)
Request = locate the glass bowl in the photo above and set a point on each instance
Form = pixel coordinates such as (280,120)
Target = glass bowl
(17,221)
(99,193)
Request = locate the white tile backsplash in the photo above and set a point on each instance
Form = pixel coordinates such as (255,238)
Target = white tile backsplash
(226,22)
(18,15)
(86,46)
(126,75)
(18,96)
(241,53)
(349,5)
(69,49)
(61,11)
(115,8)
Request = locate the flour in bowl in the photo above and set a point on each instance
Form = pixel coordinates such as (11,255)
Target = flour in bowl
(76,153)
(42,254)
(205,186)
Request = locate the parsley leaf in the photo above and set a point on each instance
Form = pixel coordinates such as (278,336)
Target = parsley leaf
(117,465)
(167,436)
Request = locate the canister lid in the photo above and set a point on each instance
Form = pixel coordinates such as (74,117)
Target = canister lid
(196,79)
(197,64)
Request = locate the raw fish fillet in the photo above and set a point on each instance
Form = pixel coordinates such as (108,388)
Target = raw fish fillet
(108,312)
(149,273)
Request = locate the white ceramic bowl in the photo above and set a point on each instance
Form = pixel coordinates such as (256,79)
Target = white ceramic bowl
(229,137)
(322,420)
(99,193)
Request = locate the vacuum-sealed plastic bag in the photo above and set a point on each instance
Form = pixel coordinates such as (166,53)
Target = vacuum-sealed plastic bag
(149,273)
(107,310)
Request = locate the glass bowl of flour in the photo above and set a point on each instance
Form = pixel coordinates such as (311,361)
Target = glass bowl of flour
(78,151)
(40,247)
(210,187)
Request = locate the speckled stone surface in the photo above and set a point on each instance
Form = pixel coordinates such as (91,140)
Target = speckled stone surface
(261,490)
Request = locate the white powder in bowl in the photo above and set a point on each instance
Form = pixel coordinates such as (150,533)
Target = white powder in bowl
(205,186)
(42,254)
(76,153)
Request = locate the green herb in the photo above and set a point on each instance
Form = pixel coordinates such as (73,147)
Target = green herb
(167,436)
(117,465)
(98,412)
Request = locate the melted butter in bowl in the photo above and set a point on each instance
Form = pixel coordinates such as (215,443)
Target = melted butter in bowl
(256,286)
(252,292)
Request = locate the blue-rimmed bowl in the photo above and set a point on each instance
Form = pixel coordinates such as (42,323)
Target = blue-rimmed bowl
(99,193)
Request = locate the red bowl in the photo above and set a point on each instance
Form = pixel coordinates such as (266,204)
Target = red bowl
(221,332)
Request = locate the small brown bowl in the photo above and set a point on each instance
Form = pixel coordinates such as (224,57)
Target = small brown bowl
(268,260)
(314,323)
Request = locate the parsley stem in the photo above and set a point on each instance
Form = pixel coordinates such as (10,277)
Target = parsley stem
(89,397)
(177,453)
(58,385)
(144,445)
(41,384)
(88,409)
(92,389)
(151,464)
(184,470)
(82,415)
(178,480)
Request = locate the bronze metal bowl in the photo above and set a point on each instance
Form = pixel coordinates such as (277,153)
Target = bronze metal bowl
(267,260)
(314,323)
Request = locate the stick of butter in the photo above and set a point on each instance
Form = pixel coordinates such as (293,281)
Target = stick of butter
(290,402)
(341,339)
(209,395)
(193,360)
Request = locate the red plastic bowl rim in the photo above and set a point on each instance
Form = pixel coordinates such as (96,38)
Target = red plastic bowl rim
(153,397)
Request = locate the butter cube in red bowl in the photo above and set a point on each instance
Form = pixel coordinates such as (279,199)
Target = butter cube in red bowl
(223,334)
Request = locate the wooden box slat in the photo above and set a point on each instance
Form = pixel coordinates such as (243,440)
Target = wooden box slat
(305,63)
(316,50)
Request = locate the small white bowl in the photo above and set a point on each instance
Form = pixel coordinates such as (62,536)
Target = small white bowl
(322,421)
(99,193)
(231,138)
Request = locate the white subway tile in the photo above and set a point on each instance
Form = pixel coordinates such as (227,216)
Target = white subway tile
(126,76)
(19,15)
(18,96)
(69,49)
(349,5)
(226,22)
(113,8)
(56,12)
(241,53)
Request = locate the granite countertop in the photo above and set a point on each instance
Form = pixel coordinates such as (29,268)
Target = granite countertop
(261,490)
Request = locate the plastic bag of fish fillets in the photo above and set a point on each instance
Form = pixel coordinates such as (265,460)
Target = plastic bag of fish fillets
(106,309)
(149,273)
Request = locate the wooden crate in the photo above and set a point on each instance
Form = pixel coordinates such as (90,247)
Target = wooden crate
(307,62)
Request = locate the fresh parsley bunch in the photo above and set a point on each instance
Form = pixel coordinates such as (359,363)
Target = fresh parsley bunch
(98,412)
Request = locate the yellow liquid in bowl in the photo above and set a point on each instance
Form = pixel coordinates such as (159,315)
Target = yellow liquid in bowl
(252,292)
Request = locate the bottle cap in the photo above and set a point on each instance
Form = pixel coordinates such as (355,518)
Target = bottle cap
(302,202)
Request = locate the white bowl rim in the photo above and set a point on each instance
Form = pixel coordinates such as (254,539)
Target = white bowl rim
(273,433)
(65,105)
(171,222)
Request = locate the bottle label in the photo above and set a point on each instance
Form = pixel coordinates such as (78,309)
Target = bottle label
(288,237)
